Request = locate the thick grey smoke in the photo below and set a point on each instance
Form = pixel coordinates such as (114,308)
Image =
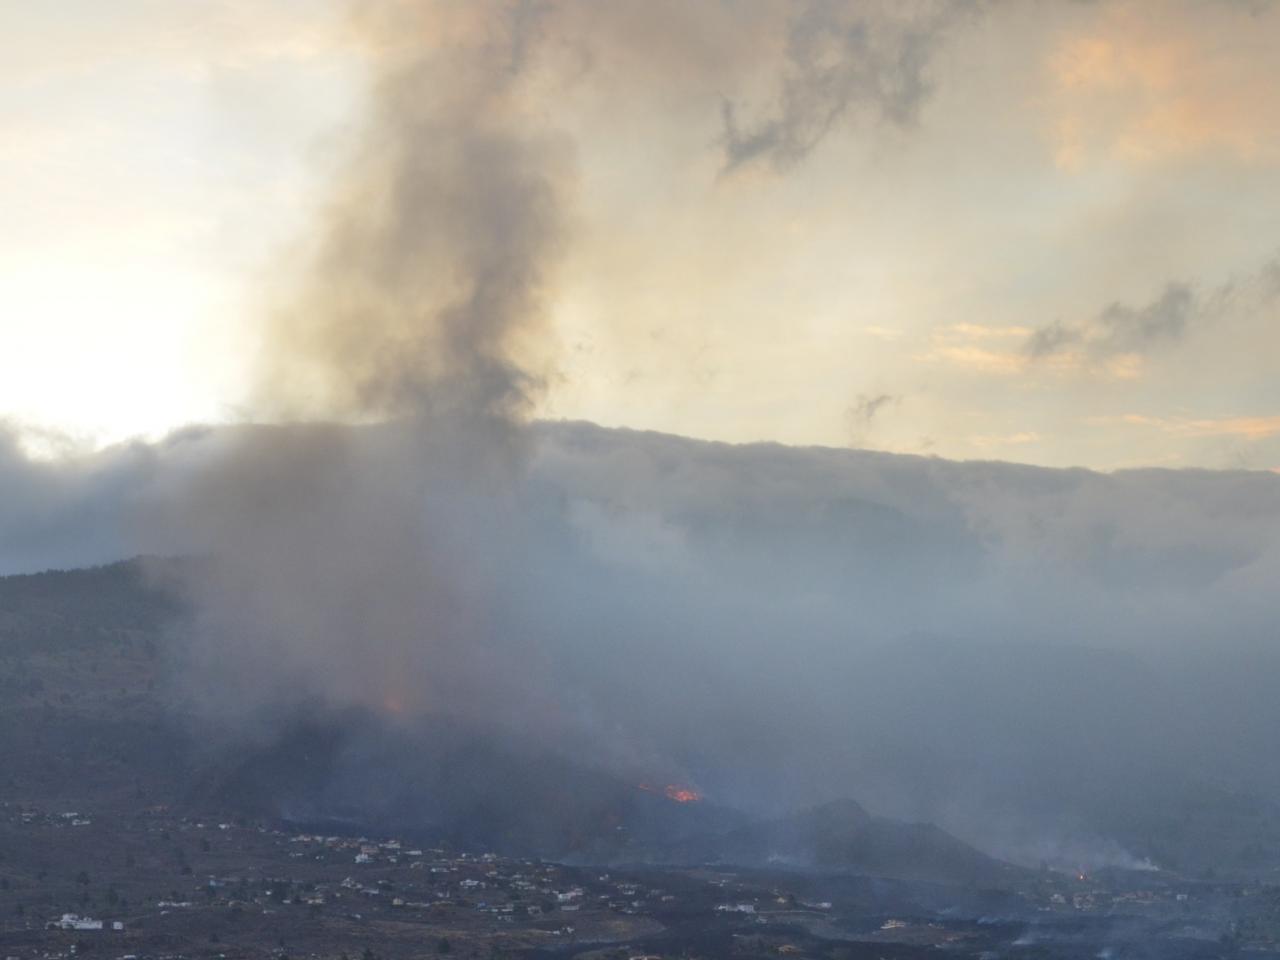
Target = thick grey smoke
(362,567)
(429,272)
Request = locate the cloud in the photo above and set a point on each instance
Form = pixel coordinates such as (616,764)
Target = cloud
(1120,328)
(1246,428)
(842,60)
(1180,311)
(1143,91)
(864,411)
(994,441)
(975,347)
(866,407)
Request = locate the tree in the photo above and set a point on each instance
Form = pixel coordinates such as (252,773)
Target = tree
(445,946)
(82,878)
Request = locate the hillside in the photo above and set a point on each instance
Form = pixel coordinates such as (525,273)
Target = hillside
(841,836)
(91,717)
(90,713)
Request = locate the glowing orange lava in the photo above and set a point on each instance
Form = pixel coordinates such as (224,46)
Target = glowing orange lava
(674,791)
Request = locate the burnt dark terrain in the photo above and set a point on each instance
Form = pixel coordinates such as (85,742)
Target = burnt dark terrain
(347,832)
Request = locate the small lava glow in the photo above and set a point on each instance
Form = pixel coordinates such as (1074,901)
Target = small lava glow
(682,794)
(678,792)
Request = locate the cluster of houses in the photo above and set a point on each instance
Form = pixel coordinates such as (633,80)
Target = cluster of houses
(389,874)
(30,816)
(1086,895)
(73,921)
(503,889)
(363,878)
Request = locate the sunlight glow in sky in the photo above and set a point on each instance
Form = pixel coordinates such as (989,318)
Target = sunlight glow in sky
(1068,256)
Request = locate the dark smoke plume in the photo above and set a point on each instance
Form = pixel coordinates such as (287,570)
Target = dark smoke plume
(368,568)
(429,274)
(843,60)
(362,567)
(1178,312)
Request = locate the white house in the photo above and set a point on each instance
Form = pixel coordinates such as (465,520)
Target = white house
(73,921)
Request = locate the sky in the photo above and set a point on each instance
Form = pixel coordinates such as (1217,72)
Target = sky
(1042,233)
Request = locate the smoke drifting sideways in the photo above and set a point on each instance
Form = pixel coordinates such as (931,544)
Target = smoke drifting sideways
(1011,652)
(974,644)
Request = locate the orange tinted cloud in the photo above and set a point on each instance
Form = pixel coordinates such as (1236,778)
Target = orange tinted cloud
(1139,87)
(1247,428)
(987,350)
